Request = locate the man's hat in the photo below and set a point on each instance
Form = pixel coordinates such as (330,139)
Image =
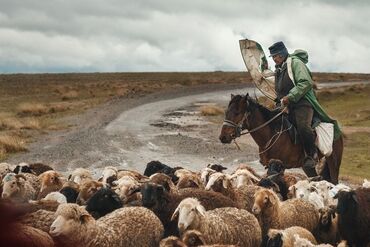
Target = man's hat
(278,48)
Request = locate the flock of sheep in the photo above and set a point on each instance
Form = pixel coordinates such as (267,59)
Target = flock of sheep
(172,206)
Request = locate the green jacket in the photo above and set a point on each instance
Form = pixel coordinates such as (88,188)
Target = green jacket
(302,79)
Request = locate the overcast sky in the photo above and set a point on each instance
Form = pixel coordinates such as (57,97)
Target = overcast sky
(177,35)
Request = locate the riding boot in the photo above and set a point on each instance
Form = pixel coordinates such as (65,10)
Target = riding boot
(309,166)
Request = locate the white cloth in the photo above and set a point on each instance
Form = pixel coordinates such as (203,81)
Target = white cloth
(325,137)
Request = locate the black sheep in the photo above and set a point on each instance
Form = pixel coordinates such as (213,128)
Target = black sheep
(158,167)
(103,202)
(70,193)
(354,216)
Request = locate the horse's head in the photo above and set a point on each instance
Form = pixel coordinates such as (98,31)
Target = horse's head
(234,117)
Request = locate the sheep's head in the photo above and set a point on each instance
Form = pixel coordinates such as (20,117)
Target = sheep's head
(103,202)
(274,167)
(275,238)
(12,184)
(69,218)
(153,195)
(87,189)
(126,188)
(347,201)
(22,168)
(216,167)
(326,215)
(109,175)
(301,189)
(50,178)
(243,177)
(218,181)
(164,180)
(205,174)
(80,175)
(172,241)
(189,212)
(193,238)
(263,199)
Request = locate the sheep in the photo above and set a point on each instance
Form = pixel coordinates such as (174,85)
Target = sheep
(55,196)
(4,169)
(244,175)
(158,167)
(306,191)
(34,168)
(220,225)
(50,181)
(286,237)
(217,167)
(17,188)
(327,231)
(172,241)
(165,181)
(163,203)
(87,189)
(193,238)
(103,202)
(127,188)
(110,174)
(277,184)
(70,190)
(80,175)
(281,215)
(366,183)
(303,242)
(205,173)
(131,226)
(243,197)
(40,219)
(188,179)
(354,216)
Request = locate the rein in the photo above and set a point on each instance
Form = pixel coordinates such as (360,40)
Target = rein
(239,129)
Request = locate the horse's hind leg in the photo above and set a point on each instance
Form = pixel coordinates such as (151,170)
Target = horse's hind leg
(325,173)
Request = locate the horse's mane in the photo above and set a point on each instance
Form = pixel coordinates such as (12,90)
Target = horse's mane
(254,104)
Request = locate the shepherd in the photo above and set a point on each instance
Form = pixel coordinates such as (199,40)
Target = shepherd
(294,89)
(269,128)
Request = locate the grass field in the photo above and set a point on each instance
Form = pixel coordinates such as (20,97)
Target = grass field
(351,107)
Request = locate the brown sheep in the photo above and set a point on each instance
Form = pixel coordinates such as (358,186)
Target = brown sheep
(280,215)
(50,181)
(130,226)
(285,238)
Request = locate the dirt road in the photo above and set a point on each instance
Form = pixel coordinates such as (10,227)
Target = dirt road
(128,133)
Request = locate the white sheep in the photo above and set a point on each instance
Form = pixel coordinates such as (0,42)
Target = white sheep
(131,226)
(285,238)
(366,183)
(56,196)
(219,226)
(125,187)
(205,173)
(80,175)
(280,215)
(17,188)
(307,191)
(303,242)
(243,177)
(110,174)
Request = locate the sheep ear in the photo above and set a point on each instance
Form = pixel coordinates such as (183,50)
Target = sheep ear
(69,177)
(85,218)
(175,214)
(201,210)
(225,182)
(100,179)
(292,188)
(272,199)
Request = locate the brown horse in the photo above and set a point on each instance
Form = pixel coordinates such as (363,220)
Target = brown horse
(245,113)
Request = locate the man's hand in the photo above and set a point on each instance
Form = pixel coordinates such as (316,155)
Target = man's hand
(285,100)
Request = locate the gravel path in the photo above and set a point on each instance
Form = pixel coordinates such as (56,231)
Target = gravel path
(128,133)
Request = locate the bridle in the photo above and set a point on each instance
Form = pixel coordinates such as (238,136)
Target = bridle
(238,127)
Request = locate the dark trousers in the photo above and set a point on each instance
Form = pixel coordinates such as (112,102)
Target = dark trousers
(301,116)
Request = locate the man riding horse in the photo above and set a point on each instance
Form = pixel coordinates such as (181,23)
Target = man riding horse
(293,85)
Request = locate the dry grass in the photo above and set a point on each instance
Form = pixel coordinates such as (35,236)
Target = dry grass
(12,144)
(73,94)
(211,110)
(32,109)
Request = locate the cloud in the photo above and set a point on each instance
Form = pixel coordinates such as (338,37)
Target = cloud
(170,35)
